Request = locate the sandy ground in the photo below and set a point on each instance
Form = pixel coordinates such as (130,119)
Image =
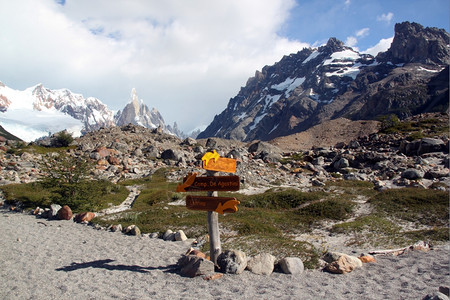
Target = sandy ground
(41,259)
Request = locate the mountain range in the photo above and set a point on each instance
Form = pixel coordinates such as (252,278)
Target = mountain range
(333,81)
(38,111)
(300,91)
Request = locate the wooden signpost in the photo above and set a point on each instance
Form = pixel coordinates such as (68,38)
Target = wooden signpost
(213,204)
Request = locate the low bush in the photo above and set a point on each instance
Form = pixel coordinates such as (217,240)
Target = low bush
(426,206)
(280,199)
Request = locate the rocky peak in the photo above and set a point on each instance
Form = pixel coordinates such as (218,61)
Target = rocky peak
(414,43)
(313,85)
(136,112)
(333,45)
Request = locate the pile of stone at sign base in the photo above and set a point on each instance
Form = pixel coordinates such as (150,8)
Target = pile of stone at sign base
(195,263)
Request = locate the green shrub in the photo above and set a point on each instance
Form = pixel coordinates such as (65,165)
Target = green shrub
(63,139)
(328,209)
(283,199)
(428,207)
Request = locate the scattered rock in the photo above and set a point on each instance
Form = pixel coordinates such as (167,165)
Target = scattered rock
(132,230)
(232,261)
(291,265)
(196,252)
(412,174)
(116,228)
(169,235)
(53,212)
(261,264)
(180,236)
(367,258)
(84,217)
(192,266)
(65,213)
(340,263)
(213,276)
(435,296)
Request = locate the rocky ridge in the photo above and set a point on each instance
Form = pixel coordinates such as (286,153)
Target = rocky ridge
(132,151)
(319,84)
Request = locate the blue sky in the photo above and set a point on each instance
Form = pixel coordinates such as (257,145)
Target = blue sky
(185,58)
(315,21)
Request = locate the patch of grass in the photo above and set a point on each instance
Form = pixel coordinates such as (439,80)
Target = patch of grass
(332,209)
(431,235)
(83,196)
(371,223)
(426,206)
(160,218)
(29,195)
(280,199)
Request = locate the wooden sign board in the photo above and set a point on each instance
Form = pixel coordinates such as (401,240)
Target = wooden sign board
(210,183)
(221,164)
(220,205)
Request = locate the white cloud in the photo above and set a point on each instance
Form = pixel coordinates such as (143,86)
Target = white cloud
(186,58)
(383,45)
(352,41)
(347,3)
(387,18)
(363,32)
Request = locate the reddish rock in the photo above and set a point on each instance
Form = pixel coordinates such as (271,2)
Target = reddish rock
(196,252)
(102,162)
(367,259)
(343,265)
(84,217)
(2,139)
(105,152)
(65,213)
(3,148)
(113,160)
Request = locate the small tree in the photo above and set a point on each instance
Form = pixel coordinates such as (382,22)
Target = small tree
(67,177)
(60,168)
(63,139)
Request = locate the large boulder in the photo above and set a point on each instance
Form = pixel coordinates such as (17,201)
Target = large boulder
(412,174)
(65,213)
(261,264)
(428,145)
(232,261)
(340,263)
(291,265)
(192,265)
(170,154)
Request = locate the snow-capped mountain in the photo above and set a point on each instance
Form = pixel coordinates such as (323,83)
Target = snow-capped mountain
(318,84)
(136,112)
(39,111)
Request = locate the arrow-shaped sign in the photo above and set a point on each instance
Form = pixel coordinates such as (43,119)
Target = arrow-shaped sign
(187,183)
(210,155)
(218,204)
(227,206)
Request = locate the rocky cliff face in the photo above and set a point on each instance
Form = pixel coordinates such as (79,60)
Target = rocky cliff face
(332,81)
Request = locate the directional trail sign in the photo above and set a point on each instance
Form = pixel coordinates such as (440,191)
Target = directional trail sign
(220,205)
(194,183)
(213,162)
